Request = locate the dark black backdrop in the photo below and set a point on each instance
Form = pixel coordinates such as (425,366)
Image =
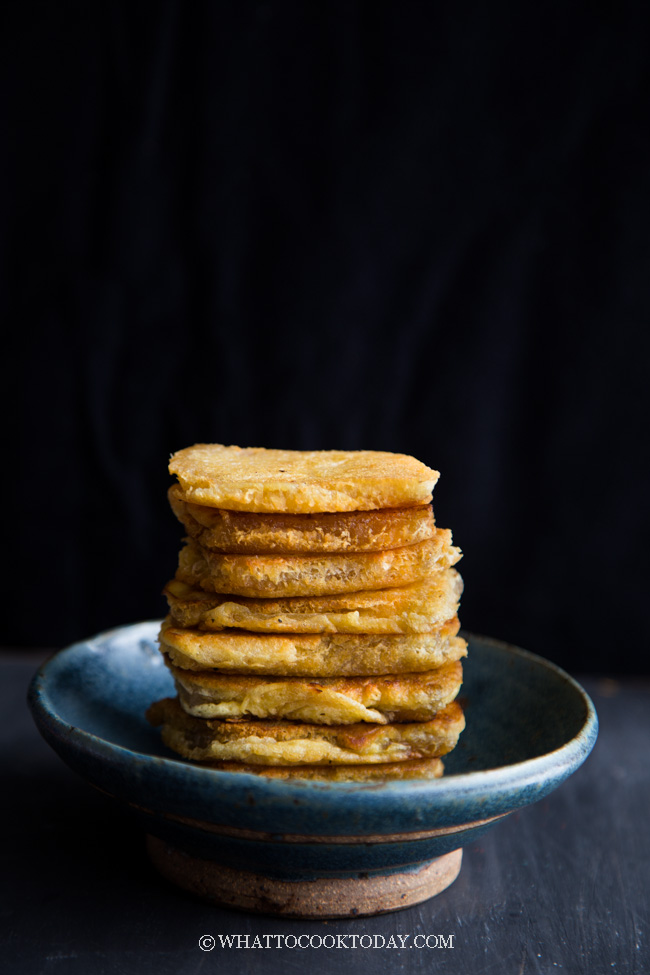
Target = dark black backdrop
(419,227)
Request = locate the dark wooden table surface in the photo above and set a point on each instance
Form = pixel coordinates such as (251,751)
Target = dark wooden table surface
(560,887)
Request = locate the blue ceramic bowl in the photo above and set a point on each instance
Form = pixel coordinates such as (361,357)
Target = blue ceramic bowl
(244,840)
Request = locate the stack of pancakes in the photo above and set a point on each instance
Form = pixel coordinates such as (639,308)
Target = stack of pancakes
(312,629)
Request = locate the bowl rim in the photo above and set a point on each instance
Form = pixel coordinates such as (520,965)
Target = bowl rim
(553,766)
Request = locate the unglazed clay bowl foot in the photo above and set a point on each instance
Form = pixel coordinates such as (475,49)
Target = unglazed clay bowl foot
(307,848)
(317,897)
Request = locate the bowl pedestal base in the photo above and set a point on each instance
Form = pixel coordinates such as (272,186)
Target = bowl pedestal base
(323,897)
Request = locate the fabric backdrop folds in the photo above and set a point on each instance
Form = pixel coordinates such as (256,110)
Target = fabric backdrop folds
(402,226)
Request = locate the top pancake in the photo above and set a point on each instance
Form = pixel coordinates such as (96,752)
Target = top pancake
(300,481)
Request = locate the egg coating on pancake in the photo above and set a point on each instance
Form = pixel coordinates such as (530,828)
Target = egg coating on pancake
(333,700)
(418,768)
(416,608)
(255,533)
(300,481)
(312,654)
(295,743)
(270,576)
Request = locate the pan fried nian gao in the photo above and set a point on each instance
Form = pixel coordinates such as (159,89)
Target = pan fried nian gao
(312,628)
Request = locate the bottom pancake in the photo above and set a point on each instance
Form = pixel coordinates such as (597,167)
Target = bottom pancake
(294,743)
(426,768)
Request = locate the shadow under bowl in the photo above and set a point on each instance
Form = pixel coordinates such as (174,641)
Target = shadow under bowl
(307,848)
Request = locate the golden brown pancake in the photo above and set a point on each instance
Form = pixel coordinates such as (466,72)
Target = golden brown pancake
(300,481)
(416,608)
(328,700)
(268,576)
(311,655)
(247,532)
(294,743)
(418,768)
